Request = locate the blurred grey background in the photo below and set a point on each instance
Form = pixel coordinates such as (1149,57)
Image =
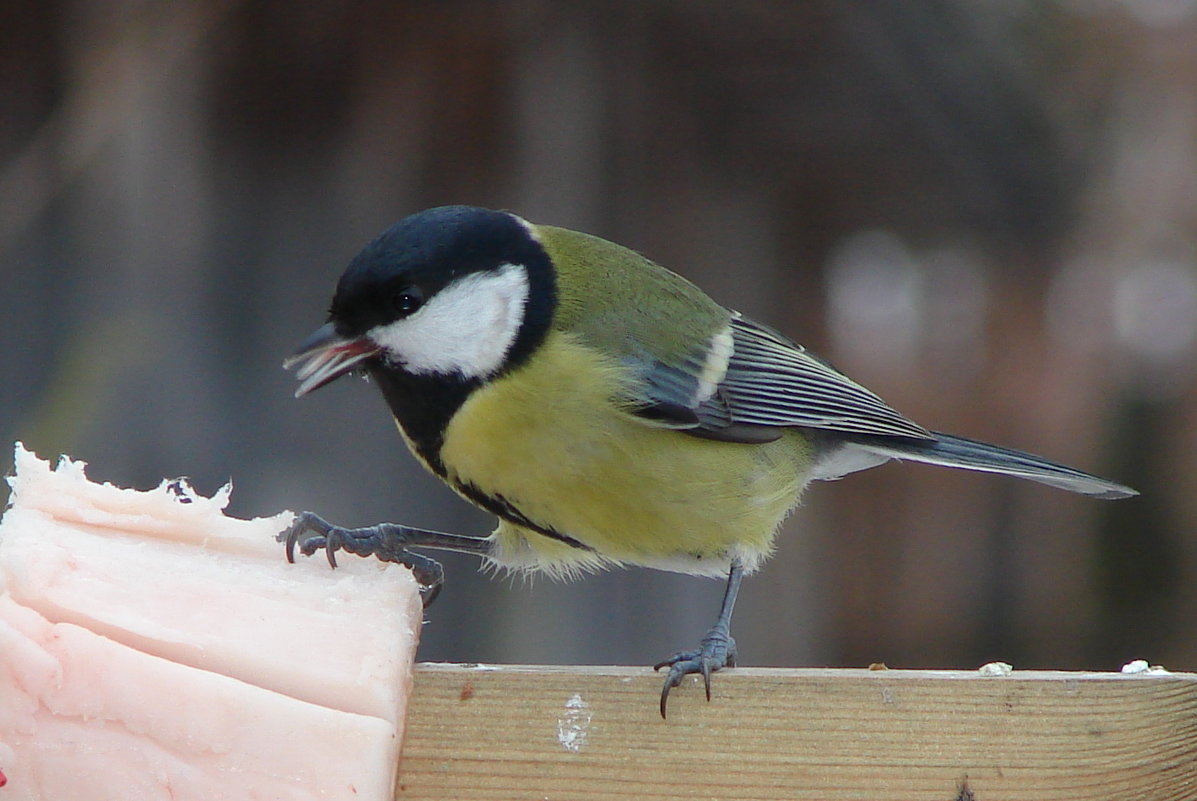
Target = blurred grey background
(985,211)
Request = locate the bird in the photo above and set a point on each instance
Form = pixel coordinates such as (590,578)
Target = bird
(605,409)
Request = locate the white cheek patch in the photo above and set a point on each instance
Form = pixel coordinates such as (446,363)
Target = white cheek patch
(467,328)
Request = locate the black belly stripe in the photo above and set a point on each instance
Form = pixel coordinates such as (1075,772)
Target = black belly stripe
(423,406)
(497,504)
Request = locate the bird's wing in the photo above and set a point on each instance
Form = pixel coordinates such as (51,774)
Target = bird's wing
(695,365)
(749,380)
(766,382)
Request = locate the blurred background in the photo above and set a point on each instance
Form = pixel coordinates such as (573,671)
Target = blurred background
(985,211)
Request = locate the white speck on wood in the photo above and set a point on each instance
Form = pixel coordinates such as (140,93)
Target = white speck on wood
(996,669)
(574,724)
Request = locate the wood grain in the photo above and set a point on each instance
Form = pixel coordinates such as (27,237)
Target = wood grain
(537,732)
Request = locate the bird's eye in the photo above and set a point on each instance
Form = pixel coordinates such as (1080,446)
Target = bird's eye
(407,300)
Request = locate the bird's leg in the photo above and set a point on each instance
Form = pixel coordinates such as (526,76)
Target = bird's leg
(717,649)
(388,541)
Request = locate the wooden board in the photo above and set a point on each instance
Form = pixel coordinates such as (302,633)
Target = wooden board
(537,732)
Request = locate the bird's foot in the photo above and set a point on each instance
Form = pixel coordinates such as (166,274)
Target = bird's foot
(386,541)
(716,651)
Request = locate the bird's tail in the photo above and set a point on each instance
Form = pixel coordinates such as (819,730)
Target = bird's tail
(952,451)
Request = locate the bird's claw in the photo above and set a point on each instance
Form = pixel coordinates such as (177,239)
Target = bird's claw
(716,651)
(311,533)
(386,542)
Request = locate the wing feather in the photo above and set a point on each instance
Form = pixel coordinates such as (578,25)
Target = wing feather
(772,381)
(767,382)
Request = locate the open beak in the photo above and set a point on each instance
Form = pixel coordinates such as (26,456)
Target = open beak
(326,356)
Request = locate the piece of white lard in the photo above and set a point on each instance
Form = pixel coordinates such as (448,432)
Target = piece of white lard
(152,647)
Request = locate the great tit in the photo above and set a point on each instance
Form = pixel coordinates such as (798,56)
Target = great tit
(604,408)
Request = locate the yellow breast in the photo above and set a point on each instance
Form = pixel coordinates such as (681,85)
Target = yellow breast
(552,440)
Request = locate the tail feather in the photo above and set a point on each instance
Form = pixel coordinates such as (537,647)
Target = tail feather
(952,451)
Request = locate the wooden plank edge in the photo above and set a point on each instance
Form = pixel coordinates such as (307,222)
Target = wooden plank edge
(537,731)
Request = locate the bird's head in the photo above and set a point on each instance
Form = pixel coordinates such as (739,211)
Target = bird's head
(456,292)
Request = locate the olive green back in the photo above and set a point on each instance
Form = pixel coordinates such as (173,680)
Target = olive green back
(624,304)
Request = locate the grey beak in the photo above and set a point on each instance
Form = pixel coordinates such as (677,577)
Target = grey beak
(326,356)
